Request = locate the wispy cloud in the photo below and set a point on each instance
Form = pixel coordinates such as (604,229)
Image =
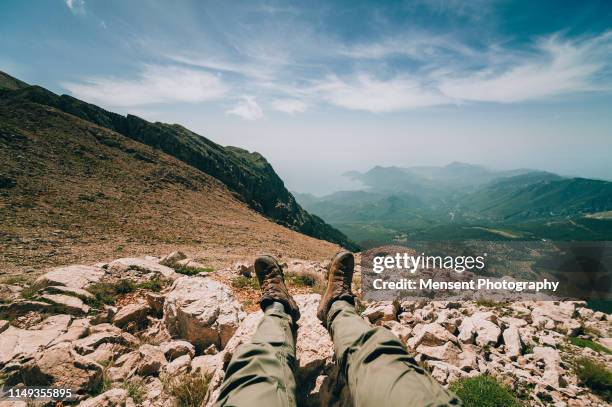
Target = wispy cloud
(558,67)
(155,84)
(247,108)
(367,93)
(76,6)
(261,71)
(290,106)
(389,73)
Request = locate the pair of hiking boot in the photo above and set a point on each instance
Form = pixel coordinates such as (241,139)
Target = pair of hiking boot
(273,288)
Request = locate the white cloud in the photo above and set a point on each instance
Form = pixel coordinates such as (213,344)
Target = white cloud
(76,6)
(558,67)
(290,106)
(247,108)
(417,45)
(260,71)
(553,67)
(365,92)
(155,84)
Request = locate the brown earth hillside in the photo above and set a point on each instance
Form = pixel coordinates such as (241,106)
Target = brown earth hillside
(73,192)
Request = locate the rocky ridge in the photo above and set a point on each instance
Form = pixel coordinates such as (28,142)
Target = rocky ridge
(129,347)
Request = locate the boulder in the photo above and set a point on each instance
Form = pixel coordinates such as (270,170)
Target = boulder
(202,311)
(468,359)
(401,331)
(136,265)
(449,352)
(19,308)
(180,365)
(381,311)
(152,359)
(511,321)
(449,319)
(73,291)
(78,329)
(16,342)
(156,332)
(72,305)
(104,333)
(423,314)
(432,334)
(549,314)
(585,313)
(132,313)
(61,366)
(156,302)
(481,328)
(172,258)
(175,349)
(107,352)
(110,398)
(314,349)
(124,367)
(299,266)
(105,315)
(206,364)
(4,325)
(76,276)
(244,269)
(553,372)
(512,342)
(191,263)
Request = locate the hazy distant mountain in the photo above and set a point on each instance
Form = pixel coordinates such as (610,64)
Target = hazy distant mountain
(467,201)
(430,181)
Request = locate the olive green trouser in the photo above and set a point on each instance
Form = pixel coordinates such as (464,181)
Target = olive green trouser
(379,371)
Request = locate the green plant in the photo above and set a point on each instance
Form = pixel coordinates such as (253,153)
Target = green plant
(105,382)
(484,391)
(135,389)
(125,286)
(306,279)
(155,284)
(192,271)
(245,282)
(301,280)
(28,292)
(588,343)
(188,389)
(595,375)
(106,293)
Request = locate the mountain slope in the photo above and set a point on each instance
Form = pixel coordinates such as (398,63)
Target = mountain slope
(540,196)
(247,174)
(72,191)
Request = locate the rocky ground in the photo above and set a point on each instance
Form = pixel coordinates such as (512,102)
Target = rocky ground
(156,332)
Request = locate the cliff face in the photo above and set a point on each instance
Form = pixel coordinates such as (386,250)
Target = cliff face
(248,175)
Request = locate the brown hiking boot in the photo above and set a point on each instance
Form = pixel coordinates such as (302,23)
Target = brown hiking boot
(273,288)
(339,279)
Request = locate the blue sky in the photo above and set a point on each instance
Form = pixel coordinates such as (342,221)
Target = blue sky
(324,87)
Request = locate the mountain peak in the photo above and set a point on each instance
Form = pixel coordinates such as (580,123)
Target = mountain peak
(8,82)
